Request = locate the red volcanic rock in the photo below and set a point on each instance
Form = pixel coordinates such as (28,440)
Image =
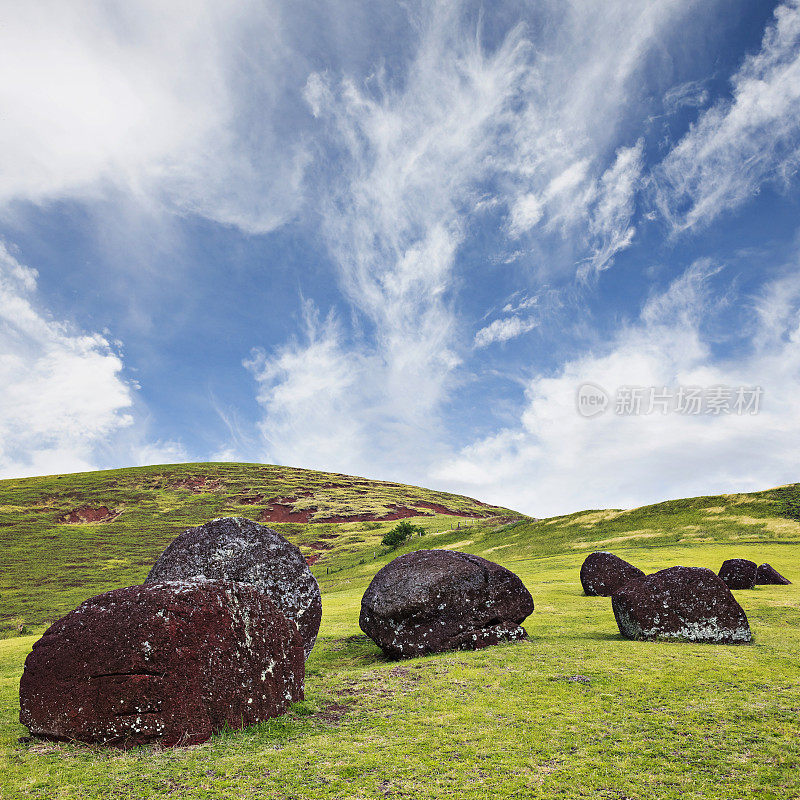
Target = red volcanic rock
(238,549)
(430,601)
(767,575)
(165,663)
(687,604)
(739,573)
(603,573)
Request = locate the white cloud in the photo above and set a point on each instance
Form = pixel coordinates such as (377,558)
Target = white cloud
(310,391)
(595,212)
(501,330)
(62,392)
(526,211)
(556,461)
(520,302)
(573,176)
(610,228)
(163,452)
(411,155)
(737,145)
(691,94)
(148,98)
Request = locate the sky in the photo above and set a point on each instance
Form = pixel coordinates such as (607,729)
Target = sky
(543,253)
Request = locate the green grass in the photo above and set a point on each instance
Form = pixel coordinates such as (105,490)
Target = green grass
(48,568)
(655,720)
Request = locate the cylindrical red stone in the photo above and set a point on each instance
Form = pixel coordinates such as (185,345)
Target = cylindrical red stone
(169,663)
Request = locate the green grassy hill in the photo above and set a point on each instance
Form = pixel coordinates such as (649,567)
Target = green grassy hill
(64,538)
(575,712)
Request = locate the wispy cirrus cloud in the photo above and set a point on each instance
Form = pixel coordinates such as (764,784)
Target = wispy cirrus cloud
(408,158)
(413,155)
(737,145)
(691,94)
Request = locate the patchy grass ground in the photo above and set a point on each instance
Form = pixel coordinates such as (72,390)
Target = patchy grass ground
(576,711)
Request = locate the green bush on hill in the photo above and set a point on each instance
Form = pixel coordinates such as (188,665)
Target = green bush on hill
(401,532)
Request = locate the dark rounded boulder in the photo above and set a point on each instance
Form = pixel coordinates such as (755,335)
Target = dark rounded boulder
(166,663)
(430,601)
(603,573)
(689,604)
(739,573)
(238,549)
(767,575)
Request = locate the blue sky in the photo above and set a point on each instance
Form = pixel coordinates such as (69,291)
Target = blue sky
(395,239)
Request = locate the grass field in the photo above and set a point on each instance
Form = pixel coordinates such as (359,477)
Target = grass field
(576,711)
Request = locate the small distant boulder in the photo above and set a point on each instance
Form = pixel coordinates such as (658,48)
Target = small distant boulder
(689,604)
(238,549)
(767,575)
(603,573)
(165,663)
(430,601)
(739,573)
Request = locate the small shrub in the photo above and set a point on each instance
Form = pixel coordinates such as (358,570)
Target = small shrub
(401,532)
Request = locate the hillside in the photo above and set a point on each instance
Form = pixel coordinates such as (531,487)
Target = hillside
(576,711)
(66,537)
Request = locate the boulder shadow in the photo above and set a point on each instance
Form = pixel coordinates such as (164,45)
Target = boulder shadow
(357,650)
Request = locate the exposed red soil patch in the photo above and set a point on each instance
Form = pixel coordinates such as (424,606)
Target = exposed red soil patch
(321,545)
(198,485)
(251,500)
(284,512)
(280,509)
(332,713)
(312,559)
(440,509)
(85,514)
(398,512)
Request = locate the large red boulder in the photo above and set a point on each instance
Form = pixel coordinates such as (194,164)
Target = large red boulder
(767,575)
(430,601)
(603,573)
(739,573)
(238,549)
(689,604)
(166,663)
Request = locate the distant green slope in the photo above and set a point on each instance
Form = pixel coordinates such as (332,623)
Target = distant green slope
(50,565)
(738,521)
